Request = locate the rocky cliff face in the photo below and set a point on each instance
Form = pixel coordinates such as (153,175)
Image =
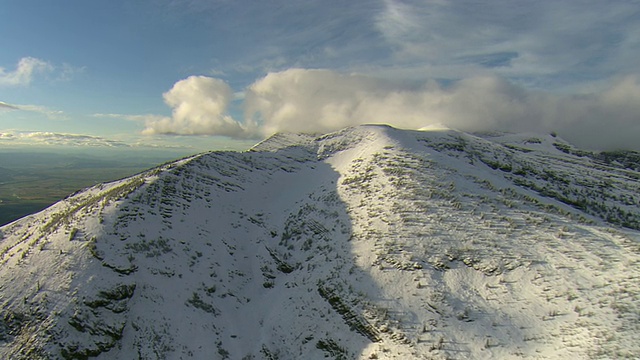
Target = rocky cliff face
(370,242)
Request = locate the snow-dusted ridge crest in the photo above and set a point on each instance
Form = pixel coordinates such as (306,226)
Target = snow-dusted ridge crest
(367,243)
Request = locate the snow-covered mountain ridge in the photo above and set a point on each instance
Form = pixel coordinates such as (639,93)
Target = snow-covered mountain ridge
(370,242)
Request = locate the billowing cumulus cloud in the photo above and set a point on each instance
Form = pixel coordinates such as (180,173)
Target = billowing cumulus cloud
(322,100)
(199,106)
(319,101)
(23,74)
(312,100)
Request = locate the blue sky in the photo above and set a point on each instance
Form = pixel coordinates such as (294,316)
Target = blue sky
(200,75)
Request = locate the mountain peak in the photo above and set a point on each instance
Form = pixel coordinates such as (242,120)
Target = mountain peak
(369,242)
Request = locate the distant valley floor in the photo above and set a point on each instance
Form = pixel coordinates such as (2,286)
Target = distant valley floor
(31,180)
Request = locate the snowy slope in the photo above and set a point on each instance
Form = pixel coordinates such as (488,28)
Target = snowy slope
(370,242)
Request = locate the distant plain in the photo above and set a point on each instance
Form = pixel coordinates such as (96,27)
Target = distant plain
(31,180)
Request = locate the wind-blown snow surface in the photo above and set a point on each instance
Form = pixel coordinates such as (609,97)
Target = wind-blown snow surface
(371,242)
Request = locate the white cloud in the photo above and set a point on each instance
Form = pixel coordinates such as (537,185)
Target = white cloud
(67,72)
(542,44)
(318,101)
(310,100)
(323,100)
(6,136)
(49,113)
(59,139)
(23,74)
(199,106)
(5,106)
(146,118)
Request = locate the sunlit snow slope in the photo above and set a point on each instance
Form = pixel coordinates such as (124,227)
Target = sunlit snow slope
(368,243)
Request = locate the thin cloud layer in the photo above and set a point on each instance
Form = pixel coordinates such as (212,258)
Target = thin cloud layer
(49,113)
(7,137)
(58,139)
(25,70)
(542,44)
(5,106)
(199,105)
